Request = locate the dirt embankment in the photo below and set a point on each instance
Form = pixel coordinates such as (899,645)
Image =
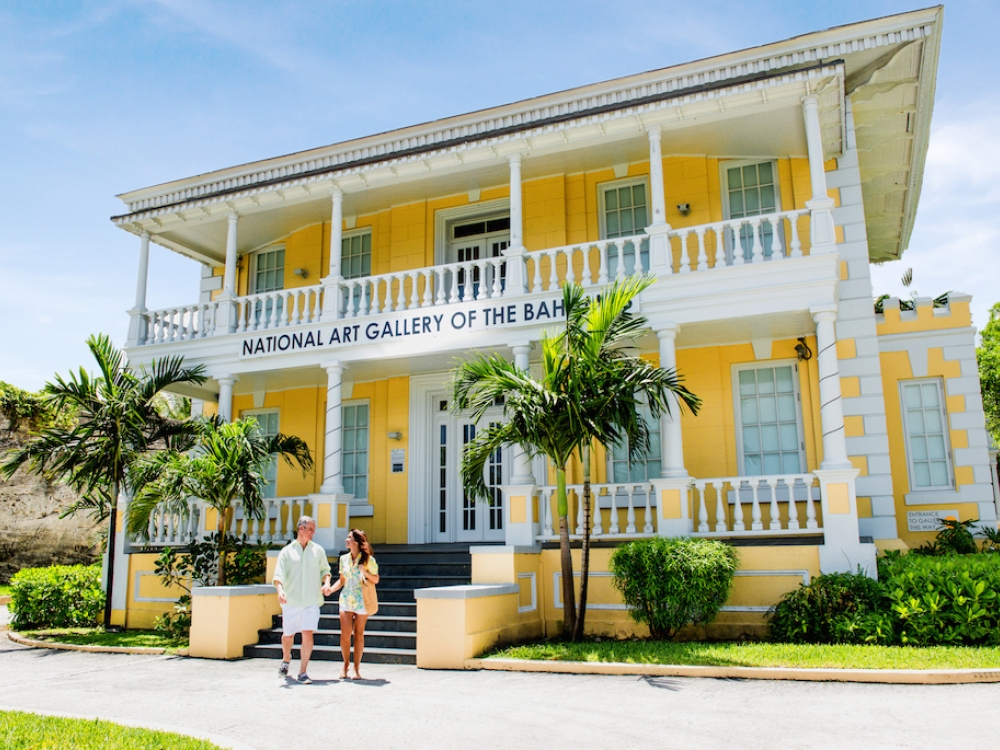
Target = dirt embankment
(31,532)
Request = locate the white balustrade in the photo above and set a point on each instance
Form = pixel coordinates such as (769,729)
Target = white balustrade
(733,497)
(737,242)
(279,309)
(181,323)
(597,263)
(175,525)
(618,500)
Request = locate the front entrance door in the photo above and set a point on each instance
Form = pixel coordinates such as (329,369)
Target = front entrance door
(474,240)
(457,517)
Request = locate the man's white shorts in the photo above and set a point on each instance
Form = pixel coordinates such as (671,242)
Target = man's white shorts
(296,619)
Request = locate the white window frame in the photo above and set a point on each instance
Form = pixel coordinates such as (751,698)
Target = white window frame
(446,218)
(604,187)
(254,257)
(942,405)
(769,364)
(350,235)
(265,492)
(368,448)
(724,167)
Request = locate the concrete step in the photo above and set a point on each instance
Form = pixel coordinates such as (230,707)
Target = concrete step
(373,639)
(372,655)
(378,622)
(385,609)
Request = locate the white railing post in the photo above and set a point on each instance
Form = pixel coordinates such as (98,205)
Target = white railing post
(138,323)
(822,233)
(514,254)
(332,301)
(227,299)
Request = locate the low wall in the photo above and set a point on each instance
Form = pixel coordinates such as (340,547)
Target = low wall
(224,619)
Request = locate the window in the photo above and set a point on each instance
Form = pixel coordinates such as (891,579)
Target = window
(769,420)
(268,422)
(624,212)
(751,189)
(268,275)
(926,438)
(645,468)
(354,465)
(476,239)
(356,255)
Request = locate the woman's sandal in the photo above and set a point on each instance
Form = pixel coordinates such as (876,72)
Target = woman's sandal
(357,675)
(343,674)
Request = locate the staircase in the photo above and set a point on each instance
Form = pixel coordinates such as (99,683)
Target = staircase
(391,635)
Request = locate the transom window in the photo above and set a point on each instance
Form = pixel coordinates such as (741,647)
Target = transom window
(751,189)
(354,464)
(926,438)
(356,255)
(268,423)
(769,420)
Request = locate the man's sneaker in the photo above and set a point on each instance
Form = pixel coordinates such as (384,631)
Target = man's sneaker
(283,669)
(304,679)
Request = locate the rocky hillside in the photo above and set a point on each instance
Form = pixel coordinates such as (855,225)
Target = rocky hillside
(31,532)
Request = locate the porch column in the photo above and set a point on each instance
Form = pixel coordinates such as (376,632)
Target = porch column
(660,254)
(138,324)
(227,310)
(226,383)
(514,253)
(831,406)
(521,461)
(822,234)
(333,483)
(672,490)
(671,439)
(331,283)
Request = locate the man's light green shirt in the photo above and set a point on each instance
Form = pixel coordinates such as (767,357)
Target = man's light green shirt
(301,573)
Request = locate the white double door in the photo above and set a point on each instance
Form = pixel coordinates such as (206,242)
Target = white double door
(455,515)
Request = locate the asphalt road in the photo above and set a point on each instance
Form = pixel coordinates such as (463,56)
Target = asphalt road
(403,707)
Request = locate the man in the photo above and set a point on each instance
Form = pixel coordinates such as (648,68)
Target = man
(302,578)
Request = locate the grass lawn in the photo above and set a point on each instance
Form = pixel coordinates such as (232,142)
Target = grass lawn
(758,655)
(97,637)
(4,590)
(24,731)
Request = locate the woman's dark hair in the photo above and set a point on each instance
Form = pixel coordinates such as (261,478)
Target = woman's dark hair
(364,547)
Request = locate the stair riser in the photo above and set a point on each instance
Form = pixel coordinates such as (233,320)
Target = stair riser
(385,609)
(454,570)
(257,652)
(372,640)
(327,622)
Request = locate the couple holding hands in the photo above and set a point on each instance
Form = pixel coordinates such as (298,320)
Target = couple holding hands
(302,578)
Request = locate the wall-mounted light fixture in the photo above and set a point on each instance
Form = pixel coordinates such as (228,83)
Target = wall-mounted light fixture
(302,273)
(802,350)
(684,208)
(395,436)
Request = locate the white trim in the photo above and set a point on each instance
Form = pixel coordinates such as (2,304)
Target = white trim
(534,592)
(945,431)
(445,218)
(139,575)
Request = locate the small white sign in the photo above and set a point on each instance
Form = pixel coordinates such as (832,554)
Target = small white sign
(397,460)
(927,520)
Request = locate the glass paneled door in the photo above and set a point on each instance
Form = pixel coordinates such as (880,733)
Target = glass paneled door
(475,240)
(456,516)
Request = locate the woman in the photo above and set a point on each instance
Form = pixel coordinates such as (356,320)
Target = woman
(356,566)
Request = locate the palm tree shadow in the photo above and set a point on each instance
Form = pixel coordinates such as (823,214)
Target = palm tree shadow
(662,683)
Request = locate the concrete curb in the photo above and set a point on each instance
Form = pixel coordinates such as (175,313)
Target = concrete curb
(891,676)
(16,638)
(218,739)
(4,600)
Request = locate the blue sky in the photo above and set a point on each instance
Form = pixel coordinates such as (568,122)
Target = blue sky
(100,97)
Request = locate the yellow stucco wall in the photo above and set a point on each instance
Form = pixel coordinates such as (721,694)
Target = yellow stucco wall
(145,592)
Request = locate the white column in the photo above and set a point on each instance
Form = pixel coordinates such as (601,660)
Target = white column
(229,278)
(521,462)
(142,277)
(138,323)
(333,483)
(515,251)
(671,438)
(331,292)
(658,203)
(823,236)
(226,383)
(831,407)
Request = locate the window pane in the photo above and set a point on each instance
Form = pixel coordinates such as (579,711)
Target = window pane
(912,393)
(922,475)
(929,395)
(625,198)
(919,447)
(750,175)
(751,439)
(790,463)
(764,170)
(767,199)
(939,473)
(786,408)
(734,179)
(789,437)
(640,217)
(752,201)
(769,437)
(639,194)
(765,381)
(752,463)
(626,222)
(748,383)
(748,410)
(611,200)
(916,422)
(736,205)
(768,411)
(772,463)
(613,230)
(783,376)
(935,446)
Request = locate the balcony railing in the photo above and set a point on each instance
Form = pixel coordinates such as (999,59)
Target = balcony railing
(719,507)
(702,248)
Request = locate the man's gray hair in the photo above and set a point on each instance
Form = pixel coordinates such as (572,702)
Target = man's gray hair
(304,520)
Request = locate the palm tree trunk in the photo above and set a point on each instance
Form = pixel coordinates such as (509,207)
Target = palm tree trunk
(585,552)
(221,578)
(565,557)
(112,533)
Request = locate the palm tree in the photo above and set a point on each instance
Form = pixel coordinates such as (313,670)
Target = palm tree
(591,390)
(228,463)
(117,424)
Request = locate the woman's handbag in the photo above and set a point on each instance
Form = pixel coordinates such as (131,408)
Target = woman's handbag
(369,596)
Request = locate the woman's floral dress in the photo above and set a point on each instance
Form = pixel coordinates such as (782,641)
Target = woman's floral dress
(351,599)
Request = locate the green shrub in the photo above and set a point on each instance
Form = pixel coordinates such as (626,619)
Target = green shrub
(60,596)
(670,583)
(946,600)
(833,608)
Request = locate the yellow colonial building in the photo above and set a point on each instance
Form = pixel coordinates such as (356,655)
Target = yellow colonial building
(341,285)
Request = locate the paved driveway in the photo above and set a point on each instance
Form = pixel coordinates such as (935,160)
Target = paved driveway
(403,707)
